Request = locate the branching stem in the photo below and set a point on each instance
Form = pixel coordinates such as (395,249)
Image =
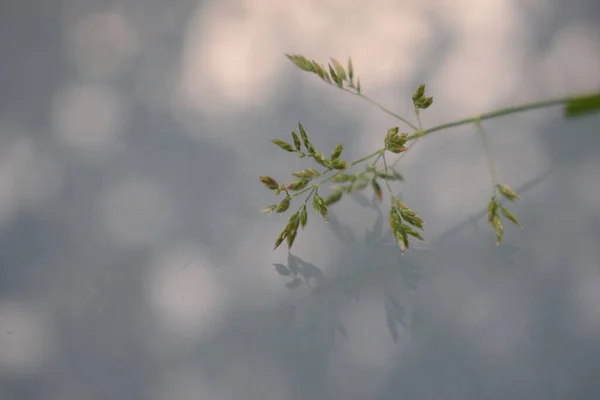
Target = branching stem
(382,108)
(500,113)
(316,185)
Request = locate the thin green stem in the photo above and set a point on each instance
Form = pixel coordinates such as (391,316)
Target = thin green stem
(412,143)
(488,154)
(419,132)
(387,183)
(365,158)
(410,146)
(382,108)
(417,114)
(310,194)
(377,159)
(499,113)
(465,121)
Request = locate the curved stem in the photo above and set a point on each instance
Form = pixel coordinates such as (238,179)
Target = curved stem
(498,113)
(387,183)
(382,108)
(418,115)
(488,154)
(420,132)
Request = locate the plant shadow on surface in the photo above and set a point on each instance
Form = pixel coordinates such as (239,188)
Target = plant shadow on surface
(377,267)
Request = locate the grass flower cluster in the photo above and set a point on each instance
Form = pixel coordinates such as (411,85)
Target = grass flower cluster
(404,223)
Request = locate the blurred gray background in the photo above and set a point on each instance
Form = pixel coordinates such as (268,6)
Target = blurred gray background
(134,263)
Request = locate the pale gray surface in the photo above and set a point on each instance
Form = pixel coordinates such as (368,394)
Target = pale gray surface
(134,263)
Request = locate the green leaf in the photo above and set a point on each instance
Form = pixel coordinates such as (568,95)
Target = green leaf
(491,210)
(337,152)
(324,211)
(404,239)
(377,189)
(320,206)
(419,93)
(582,106)
(511,217)
(332,72)
(280,239)
(292,229)
(411,232)
(301,62)
(321,72)
(392,132)
(409,215)
(303,216)
(316,198)
(307,142)
(333,198)
(397,229)
(339,164)
(350,70)
(339,69)
(283,206)
(424,102)
(499,228)
(284,145)
(269,209)
(336,78)
(394,142)
(319,157)
(298,184)
(507,192)
(343,178)
(291,237)
(269,182)
(297,144)
(396,148)
(308,173)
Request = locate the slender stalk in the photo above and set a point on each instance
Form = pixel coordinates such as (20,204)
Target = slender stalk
(471,120)
(418,115)
(488,154)
(378,157)
(412,143)
(498,113)
(365,158)
(382,108)
(387,183)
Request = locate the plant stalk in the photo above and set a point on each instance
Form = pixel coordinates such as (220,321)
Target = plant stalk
(498,113)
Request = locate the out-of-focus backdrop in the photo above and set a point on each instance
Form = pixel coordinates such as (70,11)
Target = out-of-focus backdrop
(134,263)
